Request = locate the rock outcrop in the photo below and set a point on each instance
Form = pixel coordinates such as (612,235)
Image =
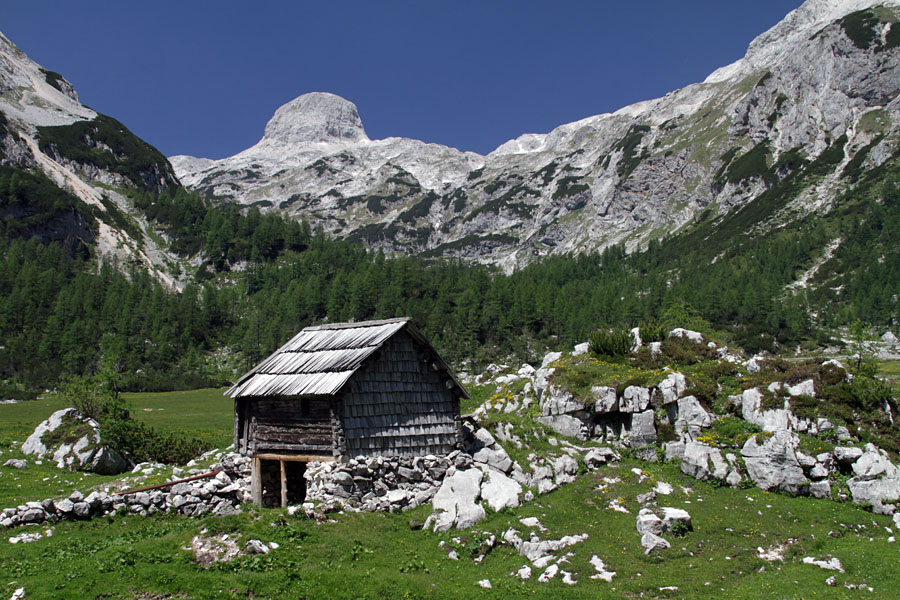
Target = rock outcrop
(773,464)
(74,443)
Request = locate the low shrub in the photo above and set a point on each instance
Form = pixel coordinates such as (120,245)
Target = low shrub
(652,331)
(665,432)
(683,352)
(98,400)
(616,342)
(730,432)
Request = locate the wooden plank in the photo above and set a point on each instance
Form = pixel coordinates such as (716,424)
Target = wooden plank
(297,457)
(268,448)
(255,483)
(284,495)
(311,426)
(264,443)
(237,424)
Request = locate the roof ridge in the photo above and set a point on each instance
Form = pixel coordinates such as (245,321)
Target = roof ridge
(358,324)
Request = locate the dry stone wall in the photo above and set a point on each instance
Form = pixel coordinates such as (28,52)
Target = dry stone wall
(221,494)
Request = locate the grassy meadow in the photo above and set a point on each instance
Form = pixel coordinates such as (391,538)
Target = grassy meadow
(383,555)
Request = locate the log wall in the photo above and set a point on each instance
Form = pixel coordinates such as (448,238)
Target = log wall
(284,426)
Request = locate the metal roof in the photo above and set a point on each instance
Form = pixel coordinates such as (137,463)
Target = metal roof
(321,359)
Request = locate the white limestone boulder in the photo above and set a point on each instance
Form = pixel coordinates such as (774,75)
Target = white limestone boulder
(653,543)
(605,399)
(634,399)
(674,517)
(672,387)
(703,462)
(692,417)
(498,490)
(773,464)
(550,357)
(648,522)
(73,441)
(565,469)
(874,464)
(559,401)
(771,420)
(680,332)
(642,431)
(456,502)
(804,388)
(485,449)
(597,457)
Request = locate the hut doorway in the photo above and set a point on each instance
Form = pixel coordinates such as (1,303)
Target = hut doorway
(278,481)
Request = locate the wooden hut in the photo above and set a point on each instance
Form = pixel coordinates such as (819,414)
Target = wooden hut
(337,391)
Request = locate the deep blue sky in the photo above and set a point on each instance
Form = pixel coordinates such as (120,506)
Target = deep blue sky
(203,77)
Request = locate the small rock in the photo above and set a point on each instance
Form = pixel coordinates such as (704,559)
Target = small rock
(820,489)
(831,564)
(647,522)
(597,457)
(653,543)
(256,547)
(602,572)
(549,573)
(847,454)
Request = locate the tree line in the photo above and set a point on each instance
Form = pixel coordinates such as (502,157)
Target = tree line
(264,278)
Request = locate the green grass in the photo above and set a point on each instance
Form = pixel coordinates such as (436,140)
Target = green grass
(889,368)
(205,414)
(875,121)
(381,556)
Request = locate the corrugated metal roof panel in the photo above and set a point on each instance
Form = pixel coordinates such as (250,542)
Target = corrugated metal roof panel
(319,360)
(316,362)
(300,384)
(344,338)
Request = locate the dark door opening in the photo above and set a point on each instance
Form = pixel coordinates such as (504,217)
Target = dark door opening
(282,482)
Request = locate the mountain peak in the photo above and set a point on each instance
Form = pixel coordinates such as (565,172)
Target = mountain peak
(315,117)
(798,25)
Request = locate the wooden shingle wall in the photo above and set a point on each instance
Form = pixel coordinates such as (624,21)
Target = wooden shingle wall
(398,405)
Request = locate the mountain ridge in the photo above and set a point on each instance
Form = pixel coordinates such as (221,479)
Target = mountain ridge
(636,174)
(50,139)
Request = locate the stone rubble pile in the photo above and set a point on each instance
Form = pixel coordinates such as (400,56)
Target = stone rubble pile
(628,417)
(774,462)
(221,495)
(380,483)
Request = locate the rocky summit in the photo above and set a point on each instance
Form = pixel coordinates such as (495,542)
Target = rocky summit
(813,101)
(315,117)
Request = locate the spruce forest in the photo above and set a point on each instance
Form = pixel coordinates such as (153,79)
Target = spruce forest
(264,278)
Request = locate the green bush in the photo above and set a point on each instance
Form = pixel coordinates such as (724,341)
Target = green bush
(652,331)
(860,27)
(730,432)
(753,163)
(615,342)
(682,351)
(109,145)
(99,400)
